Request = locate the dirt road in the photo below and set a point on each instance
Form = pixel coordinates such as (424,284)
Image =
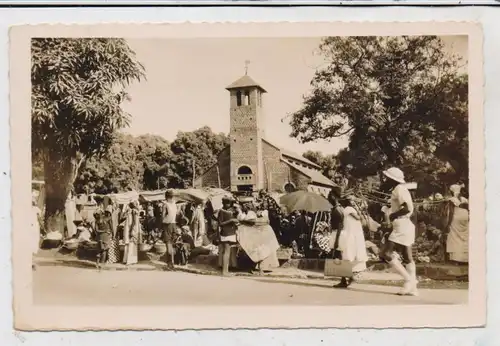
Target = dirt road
(75,286)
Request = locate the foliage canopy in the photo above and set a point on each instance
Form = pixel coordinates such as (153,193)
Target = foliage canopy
(402,101)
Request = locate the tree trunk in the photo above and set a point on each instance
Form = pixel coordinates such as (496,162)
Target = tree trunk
(60,173)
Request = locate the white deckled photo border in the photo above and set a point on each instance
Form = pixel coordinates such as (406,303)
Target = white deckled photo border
(31,317)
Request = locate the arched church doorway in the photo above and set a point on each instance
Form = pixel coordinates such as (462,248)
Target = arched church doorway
(244,170)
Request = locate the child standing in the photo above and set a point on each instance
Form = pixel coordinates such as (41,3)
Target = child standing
(228,224)
(104,228)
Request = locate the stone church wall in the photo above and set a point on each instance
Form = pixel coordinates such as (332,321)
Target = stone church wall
(210,177)
(278,172)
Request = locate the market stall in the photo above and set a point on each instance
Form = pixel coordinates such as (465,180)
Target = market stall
(152,196)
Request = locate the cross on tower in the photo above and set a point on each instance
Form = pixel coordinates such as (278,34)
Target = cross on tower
(247,62)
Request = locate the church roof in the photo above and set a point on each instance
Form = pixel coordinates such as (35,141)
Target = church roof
(315,176)
(298,157)
(292,155)
(245,82)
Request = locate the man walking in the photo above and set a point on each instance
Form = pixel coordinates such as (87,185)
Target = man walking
(402,236)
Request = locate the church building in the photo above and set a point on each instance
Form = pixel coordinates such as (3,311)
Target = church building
(252,162)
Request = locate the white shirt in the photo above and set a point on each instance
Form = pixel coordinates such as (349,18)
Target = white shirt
(399,196)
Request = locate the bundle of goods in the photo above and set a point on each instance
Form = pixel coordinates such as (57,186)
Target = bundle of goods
(214,250)
(160,247)
(430,250)
(88,245)
(52,240)
(372,251)
(71,244)
(145,247)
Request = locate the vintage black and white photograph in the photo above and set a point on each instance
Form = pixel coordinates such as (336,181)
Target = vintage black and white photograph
(240,171)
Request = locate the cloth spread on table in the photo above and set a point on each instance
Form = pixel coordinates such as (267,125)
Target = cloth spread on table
(258,241)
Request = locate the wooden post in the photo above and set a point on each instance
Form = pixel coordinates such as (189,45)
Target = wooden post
(218,175)
(194,171)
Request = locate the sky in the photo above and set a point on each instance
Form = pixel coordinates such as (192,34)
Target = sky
(186,81)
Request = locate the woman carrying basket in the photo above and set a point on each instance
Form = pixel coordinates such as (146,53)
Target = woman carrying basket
(350,242)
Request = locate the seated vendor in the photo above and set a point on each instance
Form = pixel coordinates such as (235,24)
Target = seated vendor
(257,237)
(246,214)
(82,217)
(183,244)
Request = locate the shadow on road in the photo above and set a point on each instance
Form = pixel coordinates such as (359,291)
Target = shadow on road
(312,284)
(67,263)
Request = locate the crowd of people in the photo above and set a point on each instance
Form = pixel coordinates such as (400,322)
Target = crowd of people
(260,226)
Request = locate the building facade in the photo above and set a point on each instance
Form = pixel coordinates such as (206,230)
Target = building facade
(251,162)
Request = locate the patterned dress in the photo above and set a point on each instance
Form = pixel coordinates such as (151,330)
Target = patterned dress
(114,250)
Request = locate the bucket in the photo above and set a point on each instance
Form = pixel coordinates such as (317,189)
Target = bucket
(121,247)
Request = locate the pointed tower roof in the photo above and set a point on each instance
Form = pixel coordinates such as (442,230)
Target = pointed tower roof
(245,82)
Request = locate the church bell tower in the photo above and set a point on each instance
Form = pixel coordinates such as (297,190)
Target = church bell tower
(246,132)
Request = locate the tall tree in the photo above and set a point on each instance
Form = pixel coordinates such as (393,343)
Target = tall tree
(155,155)
(148,162)
(199,150)
(117,169)
(328,163)
(401,100)
(78,86)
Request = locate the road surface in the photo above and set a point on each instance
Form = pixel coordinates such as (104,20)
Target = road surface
(65,286)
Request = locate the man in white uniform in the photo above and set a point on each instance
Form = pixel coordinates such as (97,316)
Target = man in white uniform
(402,236)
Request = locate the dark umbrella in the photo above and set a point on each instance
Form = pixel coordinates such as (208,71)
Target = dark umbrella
(304,200)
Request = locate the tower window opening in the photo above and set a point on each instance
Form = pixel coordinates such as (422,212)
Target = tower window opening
(247,98)
(260,99)
(238,98)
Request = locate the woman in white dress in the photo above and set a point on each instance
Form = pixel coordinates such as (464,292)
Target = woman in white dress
(352,242)
(457,241)
(131,234)
(198,224)
(35,224)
